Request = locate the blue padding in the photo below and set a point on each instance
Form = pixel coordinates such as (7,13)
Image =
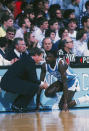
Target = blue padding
(6,98)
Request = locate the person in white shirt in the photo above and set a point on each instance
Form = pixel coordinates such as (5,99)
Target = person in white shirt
(72,25)
(3,60)
(39,33)
(46,47)
(53,25)
(25,25)
(80,45)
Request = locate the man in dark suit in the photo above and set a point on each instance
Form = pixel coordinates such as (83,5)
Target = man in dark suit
(19,49)
(21,78)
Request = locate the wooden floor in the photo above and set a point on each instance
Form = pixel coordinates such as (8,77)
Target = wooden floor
(74,120)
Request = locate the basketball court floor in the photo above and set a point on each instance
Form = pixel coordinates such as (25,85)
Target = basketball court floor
(74,120)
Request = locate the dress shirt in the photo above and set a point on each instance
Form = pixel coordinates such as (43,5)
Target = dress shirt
(80,48)
(17,53)
(2,31)
(39,35)
(19,33)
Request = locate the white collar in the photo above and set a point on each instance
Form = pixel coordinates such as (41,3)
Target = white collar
(17,53)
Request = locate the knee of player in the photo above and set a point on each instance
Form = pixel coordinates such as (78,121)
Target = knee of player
(48,94)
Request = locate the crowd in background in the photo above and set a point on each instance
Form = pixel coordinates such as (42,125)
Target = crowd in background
(58,25)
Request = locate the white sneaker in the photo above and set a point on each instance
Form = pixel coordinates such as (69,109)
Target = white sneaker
(84,99)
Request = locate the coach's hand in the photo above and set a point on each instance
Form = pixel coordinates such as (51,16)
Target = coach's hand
(44,85)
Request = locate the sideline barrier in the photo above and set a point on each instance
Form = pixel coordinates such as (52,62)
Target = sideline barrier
(6,98)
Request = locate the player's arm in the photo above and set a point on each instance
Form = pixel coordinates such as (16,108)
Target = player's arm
(42,77)
(43,72)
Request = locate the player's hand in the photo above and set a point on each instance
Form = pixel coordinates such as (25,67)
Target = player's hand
(65,107)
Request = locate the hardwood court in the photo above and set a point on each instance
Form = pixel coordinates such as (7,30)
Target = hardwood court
(74,120)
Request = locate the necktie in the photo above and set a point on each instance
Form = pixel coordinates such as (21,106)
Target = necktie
(20,55)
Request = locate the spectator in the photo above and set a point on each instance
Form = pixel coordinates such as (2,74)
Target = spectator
(39,14)
(59,16)
(75,5)
(25,25)
(3,46)
(30,14)
(80,45)
(9,5)
(47,44)
(53,25)
(51,33)
(63,33)
(7,21)
(38,5)
(65,49)
(46,9)
(39,32)
(18,50)
(10,34)
(30,40)
(67,15)
(18,9)
(52,9)
(72,25)
(85,23)
(62,3)
(84,13)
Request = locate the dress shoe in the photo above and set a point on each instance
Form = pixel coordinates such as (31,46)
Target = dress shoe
(19,109)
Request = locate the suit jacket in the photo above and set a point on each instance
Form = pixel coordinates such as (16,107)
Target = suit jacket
(21,77)
(11,55)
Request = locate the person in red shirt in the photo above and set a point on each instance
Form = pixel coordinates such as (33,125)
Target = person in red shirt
(18,9)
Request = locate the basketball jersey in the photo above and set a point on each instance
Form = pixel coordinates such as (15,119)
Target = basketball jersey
(55,72)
